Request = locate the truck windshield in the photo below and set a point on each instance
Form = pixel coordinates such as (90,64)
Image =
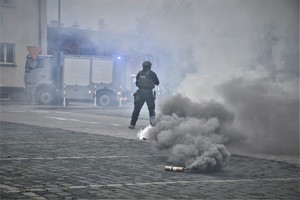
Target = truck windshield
(34,63)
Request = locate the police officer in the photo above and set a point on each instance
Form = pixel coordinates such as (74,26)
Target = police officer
(145,81)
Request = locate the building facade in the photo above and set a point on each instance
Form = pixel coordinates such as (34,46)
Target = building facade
(22,23)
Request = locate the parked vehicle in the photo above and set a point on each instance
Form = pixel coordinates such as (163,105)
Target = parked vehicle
(61,78)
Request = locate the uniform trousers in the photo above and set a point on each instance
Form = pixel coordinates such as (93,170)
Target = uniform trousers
(144,95)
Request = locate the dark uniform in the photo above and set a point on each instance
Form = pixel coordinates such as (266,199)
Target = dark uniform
(145,81)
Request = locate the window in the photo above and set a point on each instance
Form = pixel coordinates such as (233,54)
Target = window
(7,53)
(8,3)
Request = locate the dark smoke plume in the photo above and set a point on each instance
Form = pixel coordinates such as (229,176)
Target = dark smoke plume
(267,113)
(192,133)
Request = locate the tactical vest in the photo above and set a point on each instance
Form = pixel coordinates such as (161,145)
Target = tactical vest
(144,81)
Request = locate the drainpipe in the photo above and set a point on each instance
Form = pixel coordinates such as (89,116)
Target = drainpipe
(58,14)
(40,24)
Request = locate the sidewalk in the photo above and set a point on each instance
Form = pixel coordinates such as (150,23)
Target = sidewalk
(49,163)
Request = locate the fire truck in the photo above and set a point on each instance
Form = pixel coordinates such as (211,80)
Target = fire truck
(61,78)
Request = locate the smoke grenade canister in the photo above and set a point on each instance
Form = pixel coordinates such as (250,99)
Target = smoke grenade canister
(174,168)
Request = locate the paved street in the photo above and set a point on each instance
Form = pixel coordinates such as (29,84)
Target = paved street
(83,152)
(54,163)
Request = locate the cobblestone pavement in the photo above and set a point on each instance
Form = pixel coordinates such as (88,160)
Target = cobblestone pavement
(49,163)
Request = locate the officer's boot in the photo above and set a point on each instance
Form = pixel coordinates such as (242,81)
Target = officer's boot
(152,120)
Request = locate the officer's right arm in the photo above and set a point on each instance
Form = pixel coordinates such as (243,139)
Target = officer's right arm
(156,81)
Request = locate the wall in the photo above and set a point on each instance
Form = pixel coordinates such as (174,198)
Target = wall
(23,23)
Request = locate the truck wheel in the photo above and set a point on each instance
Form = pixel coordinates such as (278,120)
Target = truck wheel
(45,96)
(104,99)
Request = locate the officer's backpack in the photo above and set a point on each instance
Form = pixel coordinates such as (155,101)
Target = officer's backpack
(144,81)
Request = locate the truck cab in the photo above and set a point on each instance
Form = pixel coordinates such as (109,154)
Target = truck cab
(40,80)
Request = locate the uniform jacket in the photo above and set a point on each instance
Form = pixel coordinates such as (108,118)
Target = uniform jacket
(151,75)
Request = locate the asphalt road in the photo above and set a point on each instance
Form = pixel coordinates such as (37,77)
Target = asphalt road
(79,117)
(83,152)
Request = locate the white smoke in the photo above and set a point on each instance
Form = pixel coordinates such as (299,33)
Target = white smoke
(192,134)
(143,134)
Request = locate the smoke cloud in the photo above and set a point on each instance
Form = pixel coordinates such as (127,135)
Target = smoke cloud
(243,54)
(193,134)
(266,113)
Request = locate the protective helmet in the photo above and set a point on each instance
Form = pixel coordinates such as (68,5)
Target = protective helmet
(147,64)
